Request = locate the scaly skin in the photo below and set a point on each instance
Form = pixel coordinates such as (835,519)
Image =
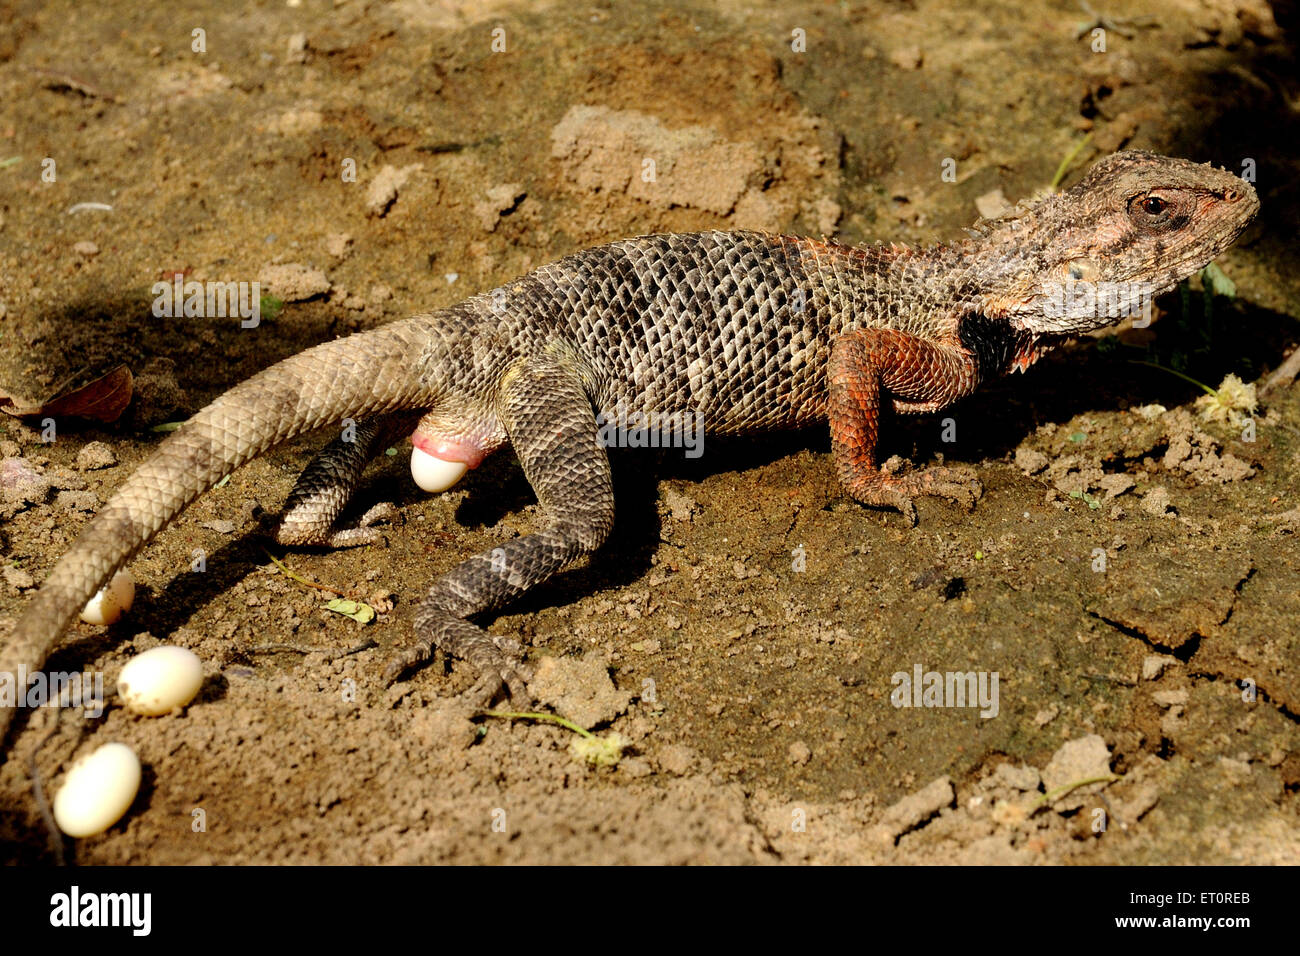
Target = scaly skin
(745,332)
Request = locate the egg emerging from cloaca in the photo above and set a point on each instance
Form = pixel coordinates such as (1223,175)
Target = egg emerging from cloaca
(434,474)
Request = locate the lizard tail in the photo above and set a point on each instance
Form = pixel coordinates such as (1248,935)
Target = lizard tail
(363,374)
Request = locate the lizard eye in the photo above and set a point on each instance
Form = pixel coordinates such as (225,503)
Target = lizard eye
(1081,270)
(1151,210)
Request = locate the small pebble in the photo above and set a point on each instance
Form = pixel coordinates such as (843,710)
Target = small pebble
(95,455)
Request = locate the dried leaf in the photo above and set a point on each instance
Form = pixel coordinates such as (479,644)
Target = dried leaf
(103,400)
(359,612)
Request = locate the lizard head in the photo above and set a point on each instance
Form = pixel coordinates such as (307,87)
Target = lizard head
(1134,227)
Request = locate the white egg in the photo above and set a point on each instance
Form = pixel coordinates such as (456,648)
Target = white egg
(434,474)
(160,680)
(111,601)
(97,791)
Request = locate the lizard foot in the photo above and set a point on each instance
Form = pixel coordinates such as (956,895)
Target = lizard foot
(892,488)
(308,531)
(499,661)
(364,532)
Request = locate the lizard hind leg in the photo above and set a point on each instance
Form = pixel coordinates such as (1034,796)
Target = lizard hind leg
(326,485)
(551,424)
(920,376)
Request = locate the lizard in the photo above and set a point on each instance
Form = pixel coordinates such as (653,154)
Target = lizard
(748,331)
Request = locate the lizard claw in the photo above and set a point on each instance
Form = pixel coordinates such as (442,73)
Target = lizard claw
(295,529)
(888,488)
(403,660)
(499,661)
(958,485)
(490,684)
(383,511)
(363,531)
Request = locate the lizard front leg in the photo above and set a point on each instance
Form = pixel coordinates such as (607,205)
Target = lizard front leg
(325,486)
(552,427)
(920,376)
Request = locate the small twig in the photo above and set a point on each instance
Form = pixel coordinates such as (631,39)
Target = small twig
(1283,375)
(1185,378)
(278,648)
(357,649)
(56,81)
(301,580)
(548,718)
(1065,163)
(89,207)
(1062,791)
(299,649)
(57,842)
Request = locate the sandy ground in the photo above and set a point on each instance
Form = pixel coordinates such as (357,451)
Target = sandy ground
(742,629)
